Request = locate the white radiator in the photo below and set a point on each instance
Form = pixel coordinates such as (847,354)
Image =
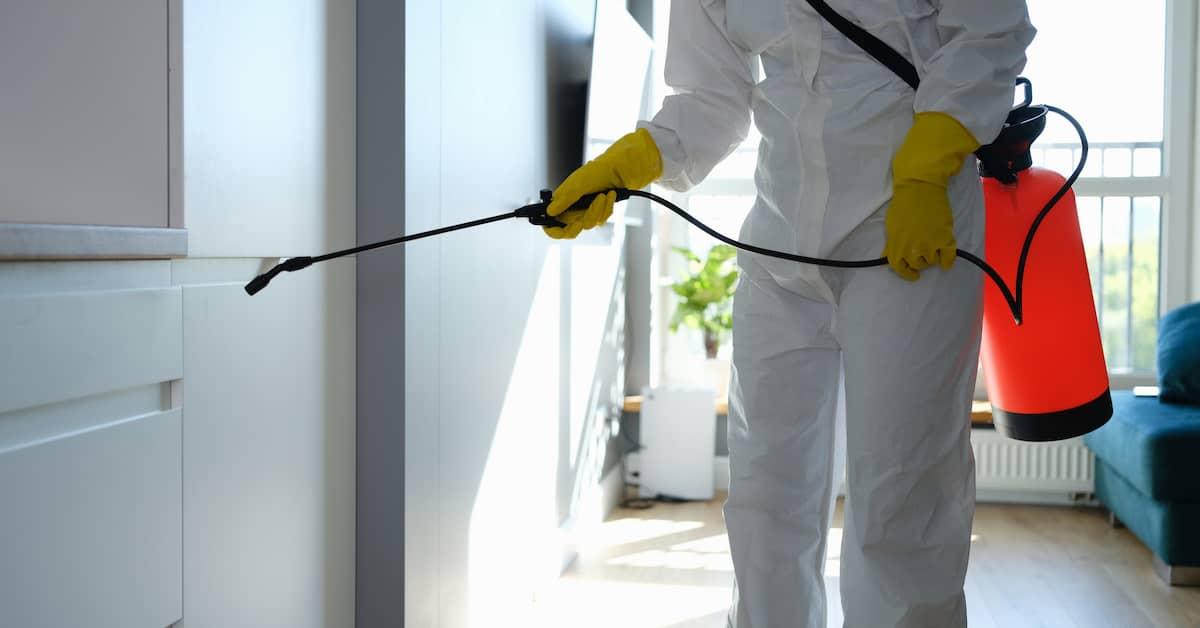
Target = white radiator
(1012,470)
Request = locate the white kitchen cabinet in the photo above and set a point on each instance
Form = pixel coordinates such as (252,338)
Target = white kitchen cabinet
(89,127)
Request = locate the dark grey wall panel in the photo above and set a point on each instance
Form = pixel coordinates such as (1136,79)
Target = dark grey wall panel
(643,12)
(381,177)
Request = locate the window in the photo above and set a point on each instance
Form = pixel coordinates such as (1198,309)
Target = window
(1127,76)
(1120,96)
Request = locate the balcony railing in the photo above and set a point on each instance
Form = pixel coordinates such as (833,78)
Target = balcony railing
(1120,202)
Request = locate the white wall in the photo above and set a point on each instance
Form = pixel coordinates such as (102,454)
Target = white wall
(1192,225)
(171,448)
(513,343)
(268,380)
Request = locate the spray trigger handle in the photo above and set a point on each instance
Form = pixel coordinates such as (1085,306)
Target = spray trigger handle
(536,212)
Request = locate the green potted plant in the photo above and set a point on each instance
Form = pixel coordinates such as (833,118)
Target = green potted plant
(705,304)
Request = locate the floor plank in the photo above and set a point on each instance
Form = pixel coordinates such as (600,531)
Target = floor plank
(1058,567)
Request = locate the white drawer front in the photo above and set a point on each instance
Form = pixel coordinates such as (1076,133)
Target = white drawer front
(91,531)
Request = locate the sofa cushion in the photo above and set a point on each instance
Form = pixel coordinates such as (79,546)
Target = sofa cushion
(1153,445)
(1179,355)
(1167,528)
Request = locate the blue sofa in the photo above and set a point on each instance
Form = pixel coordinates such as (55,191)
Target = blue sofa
(1148,476)
(1148,454)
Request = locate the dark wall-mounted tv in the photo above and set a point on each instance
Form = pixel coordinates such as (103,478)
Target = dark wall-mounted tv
(598,57)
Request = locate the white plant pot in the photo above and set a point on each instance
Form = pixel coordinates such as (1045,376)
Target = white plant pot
(717,374)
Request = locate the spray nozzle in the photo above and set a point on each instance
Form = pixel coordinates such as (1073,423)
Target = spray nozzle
(288,265)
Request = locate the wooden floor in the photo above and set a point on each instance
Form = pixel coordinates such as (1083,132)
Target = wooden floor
(1031,566)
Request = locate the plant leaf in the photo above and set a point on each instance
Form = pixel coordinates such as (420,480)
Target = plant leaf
(686,252)
(705,292)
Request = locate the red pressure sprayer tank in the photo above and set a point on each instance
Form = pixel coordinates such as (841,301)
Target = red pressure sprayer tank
(1046,375)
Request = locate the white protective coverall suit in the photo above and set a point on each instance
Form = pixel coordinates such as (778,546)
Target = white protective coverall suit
(831,119)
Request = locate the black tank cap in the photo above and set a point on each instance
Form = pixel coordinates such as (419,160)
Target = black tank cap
(1009,153)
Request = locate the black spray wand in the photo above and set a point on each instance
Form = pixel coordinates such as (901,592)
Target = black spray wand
(535,212)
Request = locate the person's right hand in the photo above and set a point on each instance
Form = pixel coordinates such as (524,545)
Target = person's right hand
(632,162)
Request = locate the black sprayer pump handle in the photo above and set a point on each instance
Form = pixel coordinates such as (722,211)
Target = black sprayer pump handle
(536,212)
(1028,99)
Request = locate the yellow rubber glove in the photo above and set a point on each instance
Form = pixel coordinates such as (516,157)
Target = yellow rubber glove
(632,162)
(920,223)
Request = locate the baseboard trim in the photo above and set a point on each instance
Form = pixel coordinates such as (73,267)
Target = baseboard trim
(1177,575)
(721,472)
(612,490)
(596,504)
(1040,498)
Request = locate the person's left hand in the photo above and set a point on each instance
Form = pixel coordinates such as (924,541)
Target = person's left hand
(920,229)
(920,222)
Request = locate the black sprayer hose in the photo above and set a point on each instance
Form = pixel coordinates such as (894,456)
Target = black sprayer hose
(1018,305)
(536,213)
(820,261)
(1014,297)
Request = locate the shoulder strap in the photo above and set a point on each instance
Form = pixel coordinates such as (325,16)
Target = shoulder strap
(871,44)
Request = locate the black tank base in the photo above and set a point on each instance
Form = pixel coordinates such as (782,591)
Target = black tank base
(1050,426)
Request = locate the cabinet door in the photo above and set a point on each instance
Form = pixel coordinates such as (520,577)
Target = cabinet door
(84,112)
(92,528)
